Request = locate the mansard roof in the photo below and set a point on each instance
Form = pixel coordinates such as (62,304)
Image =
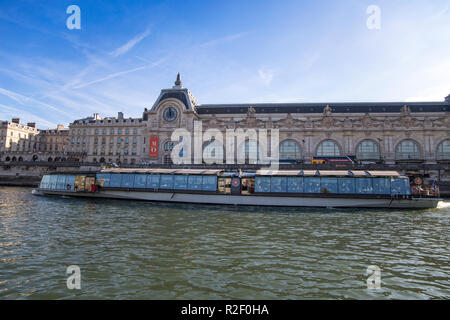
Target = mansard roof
(339,107)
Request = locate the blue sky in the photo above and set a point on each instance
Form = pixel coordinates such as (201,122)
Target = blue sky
(227,52)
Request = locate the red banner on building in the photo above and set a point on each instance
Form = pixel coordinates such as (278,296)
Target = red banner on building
(153,147)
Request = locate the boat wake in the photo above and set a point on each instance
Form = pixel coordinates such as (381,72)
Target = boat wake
(443,204)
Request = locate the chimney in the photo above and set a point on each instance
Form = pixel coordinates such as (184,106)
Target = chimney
(120,116)
(16,120)
(31,124)
(59,127)
(96,116)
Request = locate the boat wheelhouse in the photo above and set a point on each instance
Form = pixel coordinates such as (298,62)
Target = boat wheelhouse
(302,188)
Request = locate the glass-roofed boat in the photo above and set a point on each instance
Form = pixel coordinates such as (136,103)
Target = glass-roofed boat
(293,188)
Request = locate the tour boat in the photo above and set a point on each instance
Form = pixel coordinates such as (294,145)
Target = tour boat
(290,188)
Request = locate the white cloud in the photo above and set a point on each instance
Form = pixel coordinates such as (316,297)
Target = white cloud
(130,44)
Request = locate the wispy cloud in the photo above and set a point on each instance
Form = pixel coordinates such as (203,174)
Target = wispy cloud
(121,73)
(222,40)
(130,44)
(266,76)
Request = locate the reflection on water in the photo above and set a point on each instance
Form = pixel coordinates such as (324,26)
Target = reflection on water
(145,250)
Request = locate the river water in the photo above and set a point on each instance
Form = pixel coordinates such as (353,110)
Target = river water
(142,250)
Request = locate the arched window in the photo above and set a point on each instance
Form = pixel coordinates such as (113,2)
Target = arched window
(328,148)
(213,152)
(168,146)
(407,150)
(49,159)
(20,159)
(443,150)
(368,150)
(290,150)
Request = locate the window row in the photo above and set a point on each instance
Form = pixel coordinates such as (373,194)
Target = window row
(158,181)
(345,185)
(58,182)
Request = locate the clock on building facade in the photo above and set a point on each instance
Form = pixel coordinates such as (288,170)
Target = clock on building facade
(170,114)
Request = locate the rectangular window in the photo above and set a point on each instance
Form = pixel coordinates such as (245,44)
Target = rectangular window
(61,183)
(140,181)
(329,185)
(127,180)
(381,185)
(53,180)
(153,181)
(45,182)
(103,179)
(166,182)
(195,183)
(70,181)
(278,184)
(346,185)
(400,186)
(209,183)
(311,185)
(363,185)
(262,184)
(116,180)
(180,182)
(295,184)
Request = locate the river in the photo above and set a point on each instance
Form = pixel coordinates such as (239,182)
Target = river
(142,250)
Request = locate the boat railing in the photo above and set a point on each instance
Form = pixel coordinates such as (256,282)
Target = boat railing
(425,192)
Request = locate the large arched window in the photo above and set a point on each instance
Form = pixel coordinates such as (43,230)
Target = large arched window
(290,150)
(213,152)
(368,150)
(328,149)
(443,150)
(407,150)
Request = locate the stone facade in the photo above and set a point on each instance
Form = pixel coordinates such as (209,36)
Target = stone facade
(379,132)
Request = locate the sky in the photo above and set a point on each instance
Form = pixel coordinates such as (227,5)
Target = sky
(246,51)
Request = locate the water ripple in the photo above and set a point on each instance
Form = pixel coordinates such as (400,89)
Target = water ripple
(145,250)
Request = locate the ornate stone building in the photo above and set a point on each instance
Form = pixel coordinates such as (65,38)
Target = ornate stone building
(19,142)
(386,132)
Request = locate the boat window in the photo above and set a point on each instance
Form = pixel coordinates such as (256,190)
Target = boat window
(209,183)
(346,185)
(61,184)
(400,186)
(53,180)
(140,180)
(103,179)
(166,181)
(363,185)
(295,184)
(262,184)
(116,179)
(180,182)
(278,184)
(45,182)
(329,185)
(127,180)
(70,182)
(311,185)
(381,185)
(195,182)
(153,181)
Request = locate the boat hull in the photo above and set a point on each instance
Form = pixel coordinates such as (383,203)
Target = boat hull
(255,200)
